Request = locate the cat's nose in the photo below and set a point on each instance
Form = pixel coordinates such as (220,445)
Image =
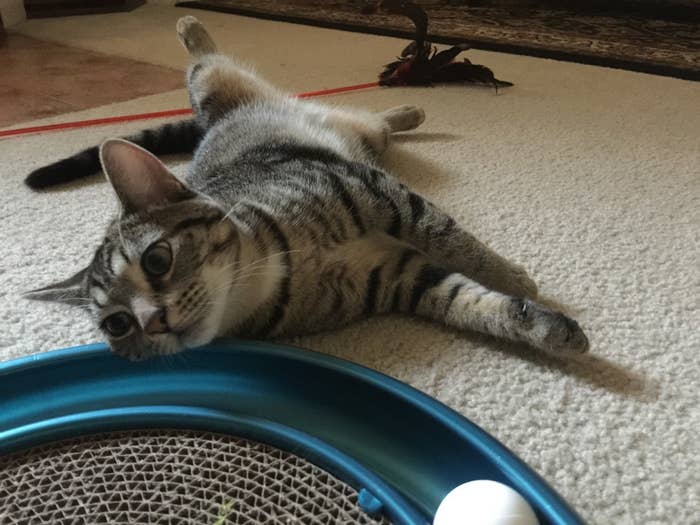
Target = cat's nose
(157,323)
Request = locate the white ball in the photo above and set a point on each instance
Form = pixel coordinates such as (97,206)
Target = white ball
(484,502)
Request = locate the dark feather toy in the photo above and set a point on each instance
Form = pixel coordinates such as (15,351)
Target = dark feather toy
(420,63)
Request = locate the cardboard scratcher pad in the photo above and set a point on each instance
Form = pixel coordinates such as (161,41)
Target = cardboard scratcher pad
(170,476)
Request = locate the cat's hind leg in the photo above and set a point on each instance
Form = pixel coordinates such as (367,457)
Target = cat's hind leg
(438,234)
(372,129)
(194,37)
(403,118)
(217,83)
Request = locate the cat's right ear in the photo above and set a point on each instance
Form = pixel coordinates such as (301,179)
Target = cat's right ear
(139,178)
(70,292)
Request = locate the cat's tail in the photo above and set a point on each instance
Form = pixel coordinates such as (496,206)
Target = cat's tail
(168,139)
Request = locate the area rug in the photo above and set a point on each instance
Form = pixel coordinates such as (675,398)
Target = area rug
(42,79)
(634,42)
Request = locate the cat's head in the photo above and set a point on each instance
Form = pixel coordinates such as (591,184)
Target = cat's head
(158,282)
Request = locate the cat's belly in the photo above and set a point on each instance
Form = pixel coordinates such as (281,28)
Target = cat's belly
(328,285)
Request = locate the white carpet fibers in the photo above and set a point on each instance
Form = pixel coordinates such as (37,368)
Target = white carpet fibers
(588,176)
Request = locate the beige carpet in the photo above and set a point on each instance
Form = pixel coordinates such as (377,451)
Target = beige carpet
(588,176)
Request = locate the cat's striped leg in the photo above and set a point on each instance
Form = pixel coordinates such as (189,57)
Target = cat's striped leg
(377,273)
(438,234)
(373,129)
(217,84)
(370,131)
(413,219)
(428,290)
(193,36)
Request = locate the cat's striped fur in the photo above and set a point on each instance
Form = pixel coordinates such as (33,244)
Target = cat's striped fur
(285,225)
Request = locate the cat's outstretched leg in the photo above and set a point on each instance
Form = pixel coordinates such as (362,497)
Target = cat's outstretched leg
(377,274)
(463,303)
(217,84)
(417,285)
(193,36)
(374,129)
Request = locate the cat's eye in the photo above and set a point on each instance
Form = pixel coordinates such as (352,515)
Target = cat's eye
(118,325)
(157,259)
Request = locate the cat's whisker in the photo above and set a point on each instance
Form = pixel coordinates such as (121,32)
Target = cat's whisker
(245,271)
(75,300)
(227,215)
(238,281)
(270,256)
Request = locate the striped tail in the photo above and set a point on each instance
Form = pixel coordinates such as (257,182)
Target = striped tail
(168,139)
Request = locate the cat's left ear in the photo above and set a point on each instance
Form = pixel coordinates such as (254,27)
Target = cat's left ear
(138,177)
(70,292)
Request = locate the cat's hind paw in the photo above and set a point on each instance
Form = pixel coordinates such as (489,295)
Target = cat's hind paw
(404,118)
(194,37)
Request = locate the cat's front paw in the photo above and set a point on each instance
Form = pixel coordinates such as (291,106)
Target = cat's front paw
(566,336)
(547,330)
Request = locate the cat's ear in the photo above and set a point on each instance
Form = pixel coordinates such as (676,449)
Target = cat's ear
(70,292)
(138,177)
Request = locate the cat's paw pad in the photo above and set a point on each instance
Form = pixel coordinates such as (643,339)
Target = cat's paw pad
(404,118)
(194,37)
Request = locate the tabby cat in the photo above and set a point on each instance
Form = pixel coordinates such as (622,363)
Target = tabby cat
(285,225)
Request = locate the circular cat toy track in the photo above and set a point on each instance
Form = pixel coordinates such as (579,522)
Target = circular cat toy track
(400,449)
